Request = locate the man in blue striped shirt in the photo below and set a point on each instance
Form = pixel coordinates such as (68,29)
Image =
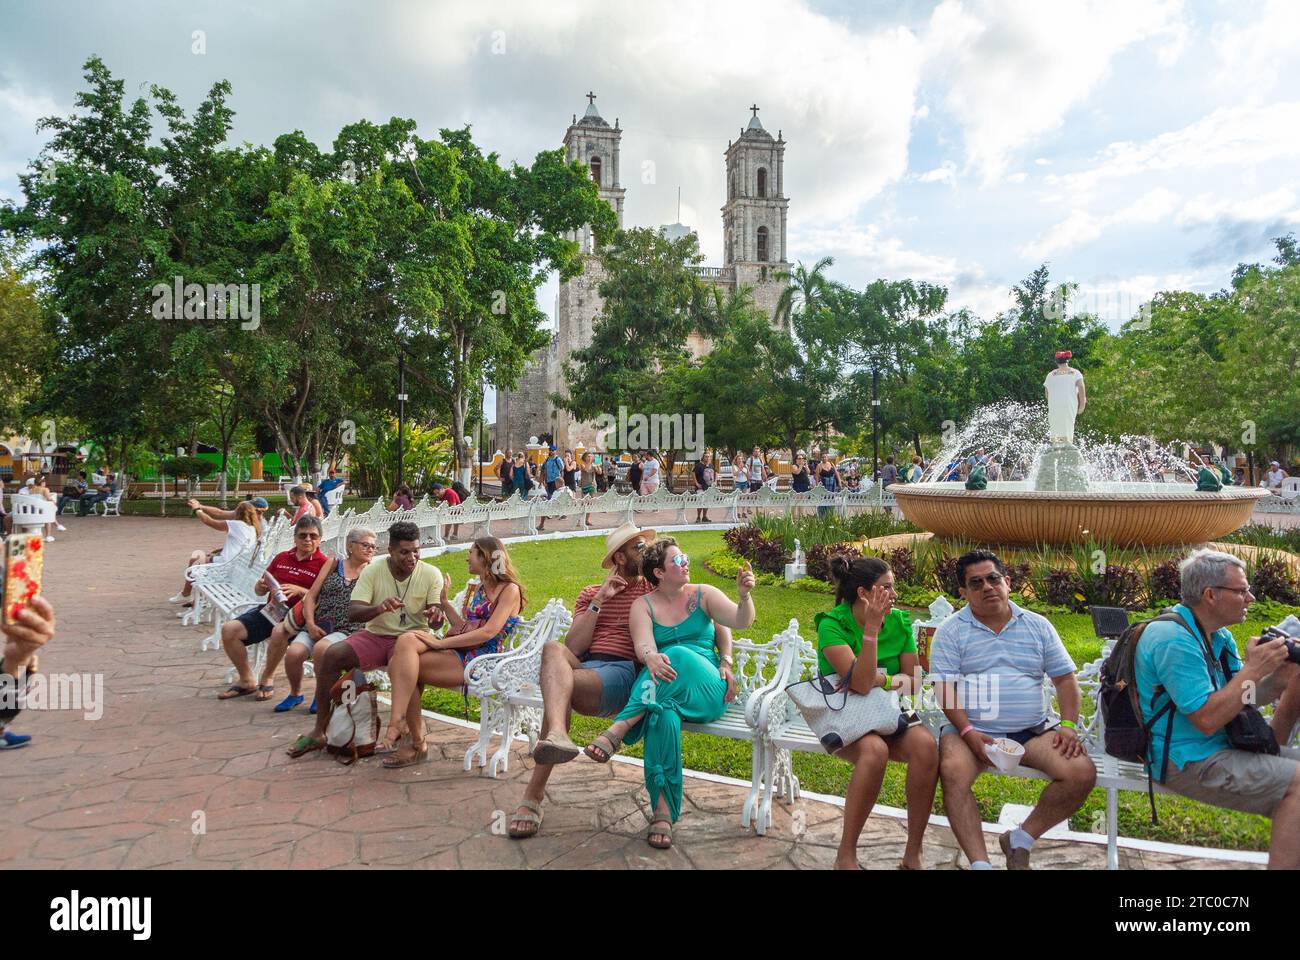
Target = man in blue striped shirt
(988,661)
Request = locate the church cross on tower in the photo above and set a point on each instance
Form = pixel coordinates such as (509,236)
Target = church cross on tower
(755,109)
(591,98)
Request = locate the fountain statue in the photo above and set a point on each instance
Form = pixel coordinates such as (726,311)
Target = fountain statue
(1034,482)
(1061,466)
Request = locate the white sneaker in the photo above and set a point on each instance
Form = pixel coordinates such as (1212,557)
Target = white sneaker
(49,539)
(60,527)
(179,598)
(183,611)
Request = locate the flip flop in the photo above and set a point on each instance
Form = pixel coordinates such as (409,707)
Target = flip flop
(288,703)
(235,690)
(12,741)
(534,820)
(265,688)
(305,745)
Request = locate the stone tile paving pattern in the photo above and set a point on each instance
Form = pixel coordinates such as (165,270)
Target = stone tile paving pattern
(124,790)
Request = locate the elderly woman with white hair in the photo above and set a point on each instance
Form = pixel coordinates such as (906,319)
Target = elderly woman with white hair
(319,619)
(1198,697)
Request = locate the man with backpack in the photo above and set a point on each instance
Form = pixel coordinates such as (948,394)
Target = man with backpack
(1212,745)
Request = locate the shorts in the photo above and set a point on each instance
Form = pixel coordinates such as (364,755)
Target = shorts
(256,627)
(1237,780)
(304,638)
(755,486)
(372,649)
(616,678)
(588,488)
(1021,737)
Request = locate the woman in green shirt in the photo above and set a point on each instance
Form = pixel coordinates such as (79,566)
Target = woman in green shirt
(871,643)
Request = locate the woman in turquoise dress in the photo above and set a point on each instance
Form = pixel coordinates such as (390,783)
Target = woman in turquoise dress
(687,676)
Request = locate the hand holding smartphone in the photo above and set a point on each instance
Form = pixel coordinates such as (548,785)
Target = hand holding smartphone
(24,557)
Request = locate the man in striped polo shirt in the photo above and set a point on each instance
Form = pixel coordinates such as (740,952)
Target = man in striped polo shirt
(988,661)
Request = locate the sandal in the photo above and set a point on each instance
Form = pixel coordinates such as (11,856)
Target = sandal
(555,747)
(407,756)
(533,820)
(385,744)
(265,691)
(305,745)
(614,743)
(666,836)
(235,690)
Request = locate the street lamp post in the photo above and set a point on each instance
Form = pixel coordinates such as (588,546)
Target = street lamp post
(875,423)
(401,410)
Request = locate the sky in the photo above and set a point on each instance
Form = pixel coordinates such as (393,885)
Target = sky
(1134,145)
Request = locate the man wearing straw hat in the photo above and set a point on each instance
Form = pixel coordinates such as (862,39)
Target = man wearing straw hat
(593,670)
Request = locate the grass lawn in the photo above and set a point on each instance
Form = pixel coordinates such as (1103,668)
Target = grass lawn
(561,568)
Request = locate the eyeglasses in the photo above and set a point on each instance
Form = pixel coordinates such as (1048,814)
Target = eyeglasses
(680,560)
(974,583)
(1241,590)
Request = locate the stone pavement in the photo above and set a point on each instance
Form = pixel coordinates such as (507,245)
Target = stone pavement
(134,787)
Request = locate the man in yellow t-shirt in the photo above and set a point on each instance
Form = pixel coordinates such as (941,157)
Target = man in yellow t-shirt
(392,597)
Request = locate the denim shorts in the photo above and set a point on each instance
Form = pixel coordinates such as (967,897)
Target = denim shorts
(616,678)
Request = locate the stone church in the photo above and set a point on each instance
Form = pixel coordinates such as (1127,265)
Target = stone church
(754,254)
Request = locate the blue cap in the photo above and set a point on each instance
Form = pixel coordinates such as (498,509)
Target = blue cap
(260,503)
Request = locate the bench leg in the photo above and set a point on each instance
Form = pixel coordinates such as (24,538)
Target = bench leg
(755,782)
(769,777)
(516,722)
(488,708)
(1112,829)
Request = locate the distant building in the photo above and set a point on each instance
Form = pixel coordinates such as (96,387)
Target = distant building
(754,253)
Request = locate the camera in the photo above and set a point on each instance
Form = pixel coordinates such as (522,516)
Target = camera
(1292,646)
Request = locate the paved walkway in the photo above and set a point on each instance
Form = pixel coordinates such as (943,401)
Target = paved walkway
(169,776)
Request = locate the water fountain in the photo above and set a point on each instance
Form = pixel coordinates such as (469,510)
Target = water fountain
(1129,492)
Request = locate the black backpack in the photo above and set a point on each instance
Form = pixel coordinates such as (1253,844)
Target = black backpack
(1127,737)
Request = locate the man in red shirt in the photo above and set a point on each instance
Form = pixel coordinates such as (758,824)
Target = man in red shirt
(592,670)
(295,570)
(452,499)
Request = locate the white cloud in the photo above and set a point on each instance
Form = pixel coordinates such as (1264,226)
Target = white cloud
(1015,68)
(1253,48)
(1280,204)
(1116,299)
(680,78)
(1081,227)
(944,173)
(19,141)
(1237,136)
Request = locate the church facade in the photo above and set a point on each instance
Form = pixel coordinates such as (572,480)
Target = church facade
(754,255)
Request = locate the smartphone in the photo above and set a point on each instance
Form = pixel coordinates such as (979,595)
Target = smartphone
(23,559)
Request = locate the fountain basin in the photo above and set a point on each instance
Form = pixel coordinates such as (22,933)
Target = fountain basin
(1124,514)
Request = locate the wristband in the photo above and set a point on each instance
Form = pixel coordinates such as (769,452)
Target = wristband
(1070,724)
(887,679)
(965,730)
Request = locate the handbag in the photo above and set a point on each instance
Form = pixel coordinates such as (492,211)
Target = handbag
(839,717)
(354,725)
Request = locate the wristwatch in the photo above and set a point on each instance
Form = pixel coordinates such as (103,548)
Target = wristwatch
(594,608)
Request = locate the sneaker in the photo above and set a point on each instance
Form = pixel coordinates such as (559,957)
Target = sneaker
(49,539)
(60,527)
(12,741)
(184,610)
(1017,857)
(179,598)
(288,703)
(313,705)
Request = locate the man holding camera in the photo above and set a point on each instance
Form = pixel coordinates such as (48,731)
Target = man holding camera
(1212,755)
